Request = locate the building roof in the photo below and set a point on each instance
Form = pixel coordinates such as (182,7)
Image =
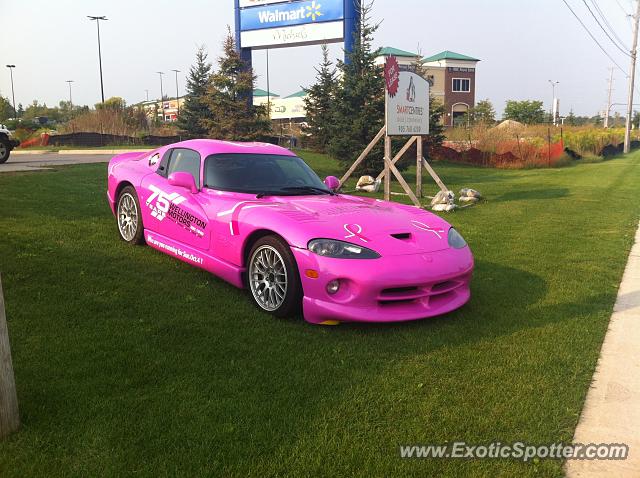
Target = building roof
(448,55)
(258,92)
(299,94)
(388,51)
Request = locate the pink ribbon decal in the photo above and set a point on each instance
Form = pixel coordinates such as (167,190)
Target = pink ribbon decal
(355,230)
(424,227)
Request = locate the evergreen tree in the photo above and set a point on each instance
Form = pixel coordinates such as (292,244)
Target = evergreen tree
(319,103)
(195,111)
(358,111)
(229,98)
(436,127)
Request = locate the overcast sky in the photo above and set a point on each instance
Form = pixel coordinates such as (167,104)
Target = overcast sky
(522,45)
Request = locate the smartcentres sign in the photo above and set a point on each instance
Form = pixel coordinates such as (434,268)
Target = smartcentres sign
(278,23)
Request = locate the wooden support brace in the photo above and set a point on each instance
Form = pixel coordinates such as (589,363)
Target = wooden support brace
(389,165)
(397,157)
(433,174)
(9,417)
(363,155)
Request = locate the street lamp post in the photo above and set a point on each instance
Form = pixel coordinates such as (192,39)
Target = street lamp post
(13,94)
(70,98)
(161,94)
(177,96)
(97,20)
(553,101)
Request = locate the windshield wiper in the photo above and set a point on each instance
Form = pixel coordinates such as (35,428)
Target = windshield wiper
(309,189)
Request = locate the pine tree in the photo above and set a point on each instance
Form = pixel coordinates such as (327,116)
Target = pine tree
(319,103)
(229,98)
(358,112)
(195,111)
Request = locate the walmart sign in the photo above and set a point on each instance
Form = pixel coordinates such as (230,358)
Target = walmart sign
(291,14)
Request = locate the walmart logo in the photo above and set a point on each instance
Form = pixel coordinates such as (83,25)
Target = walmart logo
(299,12)
(312,11)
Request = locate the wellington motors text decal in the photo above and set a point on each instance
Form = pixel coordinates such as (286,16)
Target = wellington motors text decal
(163,204)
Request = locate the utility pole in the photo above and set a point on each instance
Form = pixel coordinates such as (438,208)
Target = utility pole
(70,99)
(606,113)
(177,98)
(553,101)
(632,78)
(268,90)
(161,94)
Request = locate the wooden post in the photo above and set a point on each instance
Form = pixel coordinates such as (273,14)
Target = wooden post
(387,163)
(398,156)
(419,166)
(9,417)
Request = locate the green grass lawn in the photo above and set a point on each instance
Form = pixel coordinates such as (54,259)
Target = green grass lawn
(130,363)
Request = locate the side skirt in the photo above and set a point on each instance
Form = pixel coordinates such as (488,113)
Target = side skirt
(195,257)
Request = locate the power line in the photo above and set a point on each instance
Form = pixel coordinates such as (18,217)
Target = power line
(606,22)
(603,29)
(594,38)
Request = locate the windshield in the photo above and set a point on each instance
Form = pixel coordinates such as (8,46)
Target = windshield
(266,174)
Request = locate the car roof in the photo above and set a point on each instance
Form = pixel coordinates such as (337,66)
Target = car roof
(213,146)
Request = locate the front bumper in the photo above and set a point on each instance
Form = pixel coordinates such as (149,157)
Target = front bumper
(389,289)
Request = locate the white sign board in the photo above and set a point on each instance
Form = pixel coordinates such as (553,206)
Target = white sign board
(255,3)
(407,111)
(293,36)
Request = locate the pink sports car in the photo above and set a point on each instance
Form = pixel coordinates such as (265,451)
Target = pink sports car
(258,217)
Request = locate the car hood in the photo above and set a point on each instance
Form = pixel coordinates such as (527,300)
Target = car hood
(388,228)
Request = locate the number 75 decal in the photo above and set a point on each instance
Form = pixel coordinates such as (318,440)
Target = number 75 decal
(162,199)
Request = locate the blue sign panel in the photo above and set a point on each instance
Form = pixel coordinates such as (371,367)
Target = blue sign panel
(291,14)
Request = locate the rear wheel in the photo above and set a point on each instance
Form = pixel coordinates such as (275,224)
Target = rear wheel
(128,216)
(5,149)
(272,277)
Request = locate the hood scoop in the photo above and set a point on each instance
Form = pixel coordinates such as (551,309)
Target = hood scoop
(403,236)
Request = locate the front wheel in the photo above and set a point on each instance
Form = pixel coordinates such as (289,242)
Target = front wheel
(5,150)
(128,216)
(272,277)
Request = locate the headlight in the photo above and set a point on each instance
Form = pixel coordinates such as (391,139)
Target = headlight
(456,240)
(340,249)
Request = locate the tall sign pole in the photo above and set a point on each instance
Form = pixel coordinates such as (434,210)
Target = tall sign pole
(352,20)
(632,78)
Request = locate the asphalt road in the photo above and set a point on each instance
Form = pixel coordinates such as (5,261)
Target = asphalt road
(36,162)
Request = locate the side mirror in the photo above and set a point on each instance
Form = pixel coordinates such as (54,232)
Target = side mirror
(332,183)
(183,180)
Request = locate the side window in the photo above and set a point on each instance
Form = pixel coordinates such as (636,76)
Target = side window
(185,160)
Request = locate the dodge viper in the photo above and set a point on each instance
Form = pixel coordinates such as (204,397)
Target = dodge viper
(257,216)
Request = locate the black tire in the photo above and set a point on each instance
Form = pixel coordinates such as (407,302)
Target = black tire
(5,149)
(129,216)
(283,303)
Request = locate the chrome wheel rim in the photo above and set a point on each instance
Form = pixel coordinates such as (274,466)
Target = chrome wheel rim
(127,217)
(268,278)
